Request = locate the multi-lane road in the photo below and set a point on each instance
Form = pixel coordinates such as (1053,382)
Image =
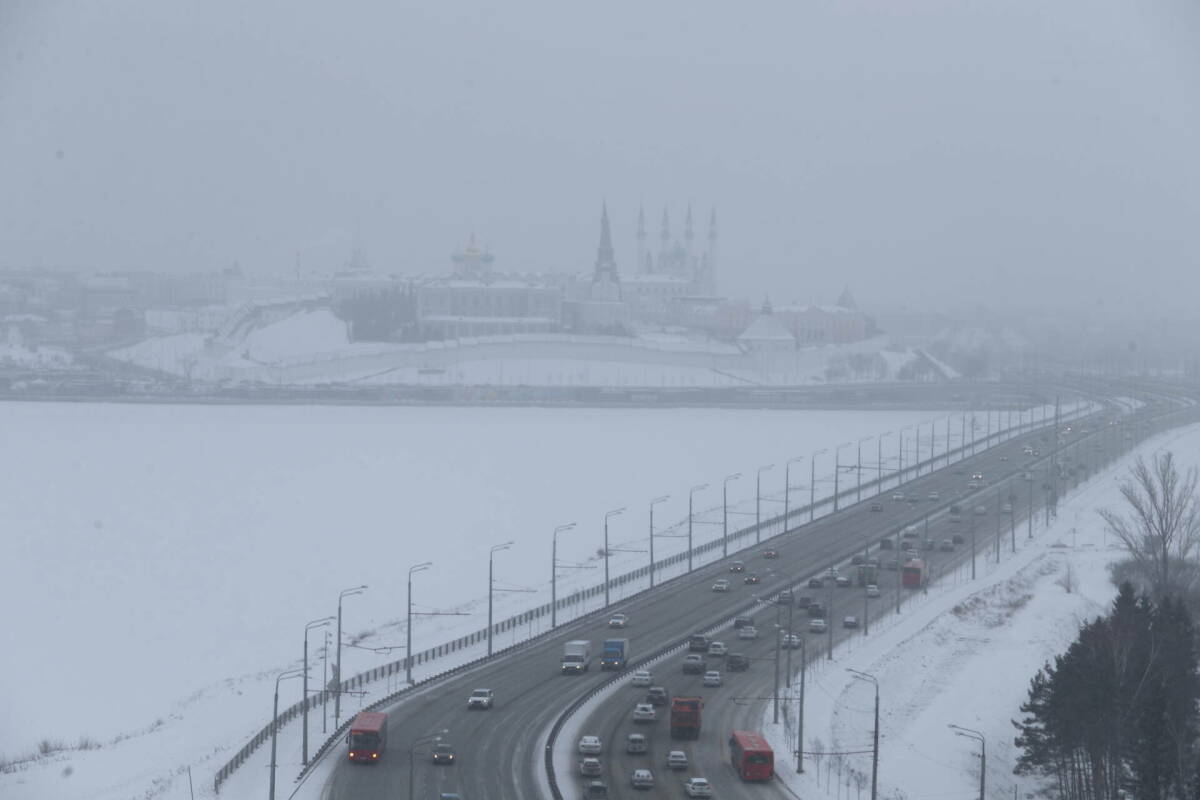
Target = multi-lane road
(500,751)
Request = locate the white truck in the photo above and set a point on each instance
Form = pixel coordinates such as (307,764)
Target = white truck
(577,656)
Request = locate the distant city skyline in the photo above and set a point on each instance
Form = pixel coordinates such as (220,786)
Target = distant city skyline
(946,155)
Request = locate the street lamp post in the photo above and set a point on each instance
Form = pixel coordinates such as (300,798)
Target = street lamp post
(979,737)
(691,495)
(323,622)
(554,573)
(408,659)
(291,673)
(758,504)
(875,736)
(607,515)
(725,513)
(433,737)
(800,714)
(337,696)
(812,484)
(879,461)
(496,548)
(858,483)
(837,468)
(653,503)
(787,491)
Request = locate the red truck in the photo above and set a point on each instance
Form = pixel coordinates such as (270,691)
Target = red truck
(913,575)
(685,717)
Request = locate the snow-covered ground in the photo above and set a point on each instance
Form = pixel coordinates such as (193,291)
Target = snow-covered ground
(166,558)
(964,655)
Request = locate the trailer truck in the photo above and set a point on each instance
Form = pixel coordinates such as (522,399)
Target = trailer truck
(577,656)
(615,654)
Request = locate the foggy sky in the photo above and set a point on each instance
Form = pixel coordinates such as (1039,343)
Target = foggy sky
(921,151)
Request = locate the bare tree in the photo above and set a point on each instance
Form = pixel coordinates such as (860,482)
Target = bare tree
(1162,526)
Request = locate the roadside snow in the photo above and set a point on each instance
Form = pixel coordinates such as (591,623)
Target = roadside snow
(963,654)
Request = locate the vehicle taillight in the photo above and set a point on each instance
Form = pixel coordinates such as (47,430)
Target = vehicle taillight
(374,755)
(352,754)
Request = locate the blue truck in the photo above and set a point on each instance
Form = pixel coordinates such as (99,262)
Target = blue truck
(615,654)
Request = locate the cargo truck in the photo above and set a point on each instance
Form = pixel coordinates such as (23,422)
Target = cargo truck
(577,656)
(685,717)
(914,574)
(615,654)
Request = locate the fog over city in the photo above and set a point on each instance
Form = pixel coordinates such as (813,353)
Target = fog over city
(596,401)
(932,152)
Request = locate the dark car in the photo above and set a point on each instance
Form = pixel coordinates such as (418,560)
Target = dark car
(892,564)
(887,544)
(815,583)
(784,598)
(857,560)
(657,696)
(743,621)
(737,566)
(850,622)
(698,643)
(751,578)
(877,506)
(958,538)
(956,509)
(443,753)
(770,553)
(803,601)
(597,789)
(737,662)
(816,610)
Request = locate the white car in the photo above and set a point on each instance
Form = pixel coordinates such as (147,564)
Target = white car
(718,649)
(872,590)
(635,743)
(697,787)
(898,496)
(712,678)
(721,585)
(748,632)
(591,767)
(934,496)
(590,746)
(789,641)
(816,626)
(677,759)
(642,677)
(644,712)
(642,779)
(482,699)
(618,621)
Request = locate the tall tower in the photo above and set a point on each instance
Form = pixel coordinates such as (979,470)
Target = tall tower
(664,241)
(641,240)
(712,252)
(606,285)
(688,236)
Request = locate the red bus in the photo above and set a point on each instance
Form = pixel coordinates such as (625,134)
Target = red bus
(913,575)
(368,736)
(751,756)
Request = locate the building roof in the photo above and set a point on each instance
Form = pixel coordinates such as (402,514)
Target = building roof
(766,328)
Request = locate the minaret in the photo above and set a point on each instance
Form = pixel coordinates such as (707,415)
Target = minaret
(688,236)
(641,238)
(664,243)
(712,252)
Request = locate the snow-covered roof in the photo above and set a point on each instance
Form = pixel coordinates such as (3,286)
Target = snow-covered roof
(766,328)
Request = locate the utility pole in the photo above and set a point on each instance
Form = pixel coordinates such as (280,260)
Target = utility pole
(787,492)
(408,661)
(858,470)
(691,495)
(979,737)
(491,586)
(554,573)
(800,720)
(608,515)
(316,623)
(653,503)
(875,735)
(337,695)
(758,504)
(812,484)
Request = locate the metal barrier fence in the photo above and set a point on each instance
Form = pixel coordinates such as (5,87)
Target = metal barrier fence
(768,528)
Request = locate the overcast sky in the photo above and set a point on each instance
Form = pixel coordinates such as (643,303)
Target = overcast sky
(922,151)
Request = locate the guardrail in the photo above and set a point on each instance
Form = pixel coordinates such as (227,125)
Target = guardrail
(768,528)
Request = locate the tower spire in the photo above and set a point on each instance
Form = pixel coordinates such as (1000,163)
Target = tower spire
(604,253)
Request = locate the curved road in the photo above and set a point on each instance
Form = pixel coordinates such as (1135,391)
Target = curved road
(499,750)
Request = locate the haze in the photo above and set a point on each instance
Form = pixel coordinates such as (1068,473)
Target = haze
(925,153)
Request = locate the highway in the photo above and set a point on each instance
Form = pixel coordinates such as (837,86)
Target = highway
(500,750)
